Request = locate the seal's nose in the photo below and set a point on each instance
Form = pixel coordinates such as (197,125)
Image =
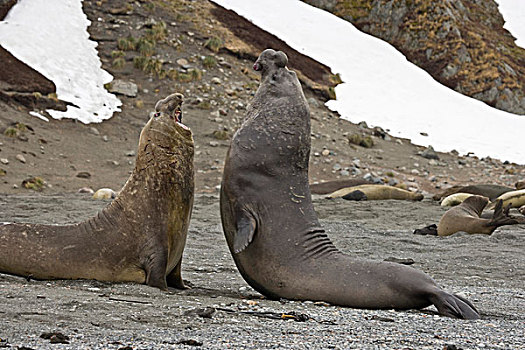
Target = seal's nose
(257,66)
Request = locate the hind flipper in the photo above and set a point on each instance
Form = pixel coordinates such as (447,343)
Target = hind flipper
(452,305)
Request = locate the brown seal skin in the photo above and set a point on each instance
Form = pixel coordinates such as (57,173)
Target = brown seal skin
(486,190)
(332,186)
(466,217)
(270,224)
(139,237)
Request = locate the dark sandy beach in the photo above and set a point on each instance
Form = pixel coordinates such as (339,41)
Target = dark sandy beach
(488,270)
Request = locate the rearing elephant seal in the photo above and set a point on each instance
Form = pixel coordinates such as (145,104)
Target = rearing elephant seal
(139,237)
(270,224)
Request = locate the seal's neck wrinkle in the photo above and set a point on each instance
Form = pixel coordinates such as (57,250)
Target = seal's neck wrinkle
(161,172)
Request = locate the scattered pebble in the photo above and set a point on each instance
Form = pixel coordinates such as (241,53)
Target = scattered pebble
(55,337)
(182,62)
(206,312)
(429,153)
(4,161)
(191,342)
(84,175)
(403,261)
(94,131)
(313,102)
(121,87)
(21,158)
(86,190)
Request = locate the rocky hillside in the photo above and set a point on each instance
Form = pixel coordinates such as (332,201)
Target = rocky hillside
(461,43)
(207,53)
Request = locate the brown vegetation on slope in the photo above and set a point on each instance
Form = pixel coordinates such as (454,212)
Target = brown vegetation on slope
(462,44)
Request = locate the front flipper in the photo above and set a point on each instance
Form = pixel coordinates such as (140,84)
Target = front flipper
(453,305)
(155,269)
(246,226)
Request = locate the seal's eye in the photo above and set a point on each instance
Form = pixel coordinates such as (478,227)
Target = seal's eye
(156,115)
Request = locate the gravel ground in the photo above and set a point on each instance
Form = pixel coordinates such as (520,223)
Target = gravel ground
(221,311)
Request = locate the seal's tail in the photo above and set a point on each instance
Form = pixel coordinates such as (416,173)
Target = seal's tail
(453,305)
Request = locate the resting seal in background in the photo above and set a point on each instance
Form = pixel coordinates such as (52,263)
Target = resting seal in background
(332,186)
(514,199)
(139,237)
(455,199)
(486,190)
(270,224)
(466,217)
(375,192)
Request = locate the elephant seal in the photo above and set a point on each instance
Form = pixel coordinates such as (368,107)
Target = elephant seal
(104,193)
(514,198)
(139,237)
(520,185)
(488,190)
(466,217)
(455,199)
(377,192)
(270,224)
(332,186)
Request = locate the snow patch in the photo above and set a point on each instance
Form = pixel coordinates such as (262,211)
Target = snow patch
(513,12)
(51,37)
(38,115)
(382,88)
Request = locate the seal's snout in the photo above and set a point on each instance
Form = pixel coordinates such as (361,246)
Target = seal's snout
(257,66)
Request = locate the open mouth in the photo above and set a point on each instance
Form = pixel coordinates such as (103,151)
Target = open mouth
(177,114)
(178,118)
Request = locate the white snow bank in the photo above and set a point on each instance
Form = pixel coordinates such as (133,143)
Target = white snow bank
(384,89)
(51,37)
(513,12)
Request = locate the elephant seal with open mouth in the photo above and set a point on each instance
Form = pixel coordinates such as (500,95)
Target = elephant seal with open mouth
(270,224)
(139,237)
